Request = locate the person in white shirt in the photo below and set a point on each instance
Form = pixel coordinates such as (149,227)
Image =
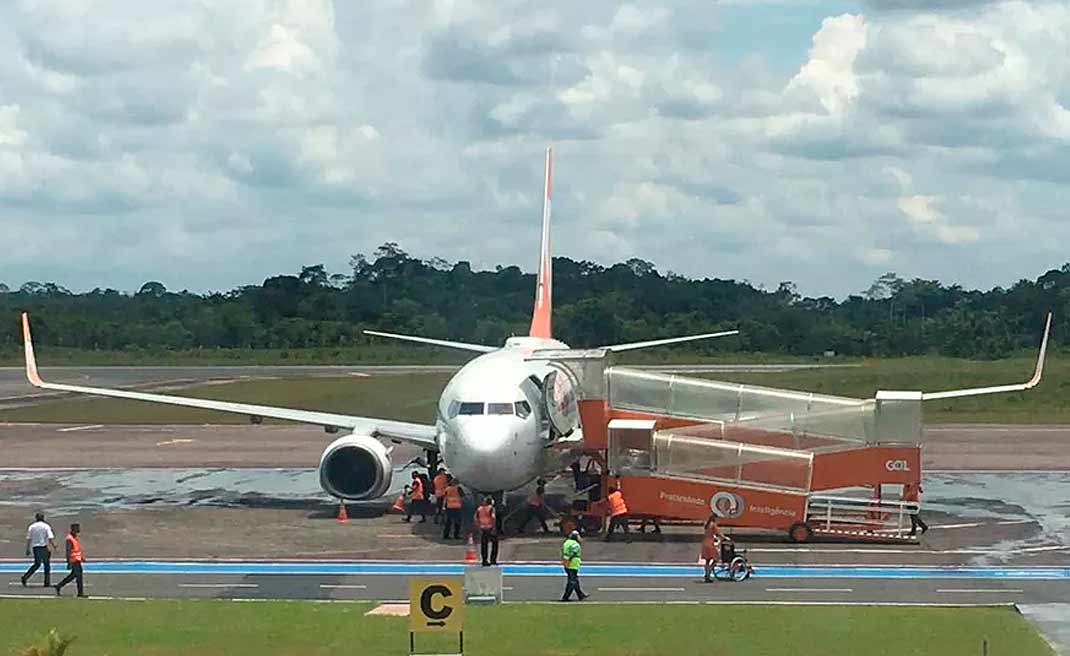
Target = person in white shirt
(42,541)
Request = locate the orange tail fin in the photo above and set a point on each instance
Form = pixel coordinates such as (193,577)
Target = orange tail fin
(540,317)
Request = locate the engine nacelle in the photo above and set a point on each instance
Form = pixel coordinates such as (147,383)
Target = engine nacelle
(355,467)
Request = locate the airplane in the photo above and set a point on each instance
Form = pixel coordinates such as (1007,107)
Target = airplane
(491,429)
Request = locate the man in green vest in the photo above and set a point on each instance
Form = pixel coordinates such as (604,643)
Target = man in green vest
(570,560)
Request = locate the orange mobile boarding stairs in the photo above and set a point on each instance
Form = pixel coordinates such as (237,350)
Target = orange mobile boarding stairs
(680,448)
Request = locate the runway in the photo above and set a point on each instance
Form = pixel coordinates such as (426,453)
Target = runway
(385,581)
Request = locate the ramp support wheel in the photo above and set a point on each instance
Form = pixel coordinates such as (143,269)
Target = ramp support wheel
(800,532)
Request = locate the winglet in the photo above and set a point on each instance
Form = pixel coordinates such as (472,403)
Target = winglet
(1021,387)
(31,361)
(1035,380)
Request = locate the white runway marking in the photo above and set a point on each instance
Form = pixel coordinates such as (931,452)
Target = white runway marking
(174,441)
(354,586)
(971,590)
(970,525)
(809,590)
(640,589)
(71,429)
(218,585)
(359,374)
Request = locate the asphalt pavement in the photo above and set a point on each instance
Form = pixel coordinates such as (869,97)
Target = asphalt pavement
(366,581)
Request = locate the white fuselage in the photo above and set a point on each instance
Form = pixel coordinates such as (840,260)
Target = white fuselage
(491,432)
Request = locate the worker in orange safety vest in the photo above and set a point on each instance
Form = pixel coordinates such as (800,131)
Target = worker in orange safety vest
(454,499)
(418,499)
(618,512)
(486,521)
(75,559)
(439,483)
(912,493)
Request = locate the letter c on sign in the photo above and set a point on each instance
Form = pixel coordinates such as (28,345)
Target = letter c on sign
(896,465)
(425,602)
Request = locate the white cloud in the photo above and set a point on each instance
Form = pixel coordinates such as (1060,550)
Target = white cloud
(215,143)
(829,73)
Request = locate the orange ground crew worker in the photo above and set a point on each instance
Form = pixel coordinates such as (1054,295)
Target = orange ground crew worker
(439,482)
(486,522)
(75,558)
(454,500)
(711,545)
(418,500)
(912,492)
(618,512)
(536,508)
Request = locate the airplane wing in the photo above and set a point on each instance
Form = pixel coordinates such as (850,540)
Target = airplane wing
(997,389)
(661,342)
(464,346)
(418,434)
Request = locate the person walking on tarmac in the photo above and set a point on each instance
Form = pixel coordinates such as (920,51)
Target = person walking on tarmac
(912,493)
(711,545)
(417,502)
(570,560)
(454,496)
(486,522)
(42,542)
(439,483)
(75,560)
(536,509)
(618,513)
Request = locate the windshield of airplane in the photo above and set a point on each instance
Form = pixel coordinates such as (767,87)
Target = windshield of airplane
(499,408)
(471,408)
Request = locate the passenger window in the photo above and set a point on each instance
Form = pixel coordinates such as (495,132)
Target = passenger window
(523,409)
(499,408)
(471,408)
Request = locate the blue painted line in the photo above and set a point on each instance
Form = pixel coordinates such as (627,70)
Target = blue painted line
(536,569)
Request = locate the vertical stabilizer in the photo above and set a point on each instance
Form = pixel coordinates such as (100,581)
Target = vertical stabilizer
(540,317)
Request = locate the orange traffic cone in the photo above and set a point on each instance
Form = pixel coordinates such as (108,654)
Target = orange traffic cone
(342,516)
(470,550)
(399,503)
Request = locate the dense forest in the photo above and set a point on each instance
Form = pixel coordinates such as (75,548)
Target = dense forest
(631,301)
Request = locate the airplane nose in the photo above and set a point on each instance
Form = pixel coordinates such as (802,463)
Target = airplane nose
(482,458)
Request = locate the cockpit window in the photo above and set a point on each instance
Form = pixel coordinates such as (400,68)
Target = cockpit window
(523,409)
(499,408)
(471,408)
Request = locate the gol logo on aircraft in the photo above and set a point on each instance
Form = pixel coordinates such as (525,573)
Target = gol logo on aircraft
(727,505)
(896,465)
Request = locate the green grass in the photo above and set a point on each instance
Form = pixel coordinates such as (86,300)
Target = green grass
(388,352)
(1048,403)
(209,628)
(412,397)
(406,397)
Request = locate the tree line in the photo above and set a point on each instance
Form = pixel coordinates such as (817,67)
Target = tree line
(594,304)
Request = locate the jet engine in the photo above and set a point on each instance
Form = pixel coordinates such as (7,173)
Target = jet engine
(355,467)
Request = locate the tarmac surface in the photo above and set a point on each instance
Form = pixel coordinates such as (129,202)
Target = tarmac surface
(181,511)
(544,581)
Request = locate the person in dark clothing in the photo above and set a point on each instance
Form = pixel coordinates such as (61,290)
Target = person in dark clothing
(41,541)
(536,509)
(75,560)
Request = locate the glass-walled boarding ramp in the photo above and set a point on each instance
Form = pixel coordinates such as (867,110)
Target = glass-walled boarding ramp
(749,414)
(636,449)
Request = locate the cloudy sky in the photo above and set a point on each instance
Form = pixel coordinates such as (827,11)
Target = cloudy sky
(210,143)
